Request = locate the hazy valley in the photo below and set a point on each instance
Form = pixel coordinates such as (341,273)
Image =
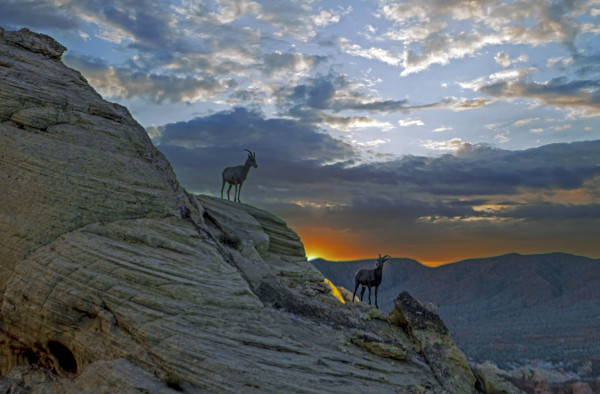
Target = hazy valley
(512,310)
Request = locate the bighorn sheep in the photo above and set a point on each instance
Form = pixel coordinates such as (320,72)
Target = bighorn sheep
(370,277)
(237,175)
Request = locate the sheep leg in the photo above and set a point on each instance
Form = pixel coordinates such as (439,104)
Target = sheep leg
(362,292)
(228,190)
(355,288)
(222,187)
(240,192)
(369,295)
(376,306)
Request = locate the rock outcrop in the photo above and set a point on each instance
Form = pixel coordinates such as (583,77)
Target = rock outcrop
(432,340)
(114,279)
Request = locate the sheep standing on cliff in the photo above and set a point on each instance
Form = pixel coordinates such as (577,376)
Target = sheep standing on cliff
(237,175)
(370,278)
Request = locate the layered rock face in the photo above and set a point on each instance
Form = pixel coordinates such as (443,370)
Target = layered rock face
(114,279)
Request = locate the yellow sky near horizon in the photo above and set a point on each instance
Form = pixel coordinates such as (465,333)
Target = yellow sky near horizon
(343,246)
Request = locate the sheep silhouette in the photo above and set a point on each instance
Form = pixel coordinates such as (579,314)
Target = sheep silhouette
(237,175)
(370,278)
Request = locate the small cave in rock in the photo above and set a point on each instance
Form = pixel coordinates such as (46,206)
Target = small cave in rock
(66,359)
(30,356)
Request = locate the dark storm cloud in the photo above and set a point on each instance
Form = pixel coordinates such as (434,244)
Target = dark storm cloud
(560,92)
(320,93)
(552,212)
(285,139)
(288,152)
(146,20)
(319,100)
(489,172)
(585,64)
(35,14)
(401,208)
(494,171)
(298,157)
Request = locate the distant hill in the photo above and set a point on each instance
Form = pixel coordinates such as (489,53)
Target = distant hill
(508,309)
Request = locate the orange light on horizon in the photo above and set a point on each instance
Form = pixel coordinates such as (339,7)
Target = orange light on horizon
(334,245)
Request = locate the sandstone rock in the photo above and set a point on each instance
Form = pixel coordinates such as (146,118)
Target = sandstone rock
(491,382)
(118,376)
(67,157)
(114,279)
(542,388)
(379,346)
(35,42)
(551,376)
(335,291)
(432,340)
(23,379)
(580,388)
(347,294)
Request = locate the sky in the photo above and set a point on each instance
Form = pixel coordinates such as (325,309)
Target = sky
(437,129)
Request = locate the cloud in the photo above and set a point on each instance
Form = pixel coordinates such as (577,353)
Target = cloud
(410,122)
(327,17)
(434,30)
(559,92)
(235,9)
(211,142)
(582,96)
(552,212)
(524,122)
(144,23)
(186,51)
(383,55)
(504,59)
(285,62)
(451,145)
(301,149)
(502,138)
(35,14)
(320,100)
(125,83)
(563,127)
(297,19)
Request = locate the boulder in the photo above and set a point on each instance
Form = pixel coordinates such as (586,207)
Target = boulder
(491,381)
(432,340)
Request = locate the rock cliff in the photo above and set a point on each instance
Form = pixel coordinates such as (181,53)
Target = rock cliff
(114,279)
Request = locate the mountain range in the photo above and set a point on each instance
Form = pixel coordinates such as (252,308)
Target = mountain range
(511,310)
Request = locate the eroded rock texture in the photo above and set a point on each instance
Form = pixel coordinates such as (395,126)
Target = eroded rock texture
(432,340)
(114,279)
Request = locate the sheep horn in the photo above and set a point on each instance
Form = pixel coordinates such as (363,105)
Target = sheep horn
(249,153)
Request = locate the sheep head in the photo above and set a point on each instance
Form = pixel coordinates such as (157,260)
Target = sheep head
(382,260)
(252,158)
